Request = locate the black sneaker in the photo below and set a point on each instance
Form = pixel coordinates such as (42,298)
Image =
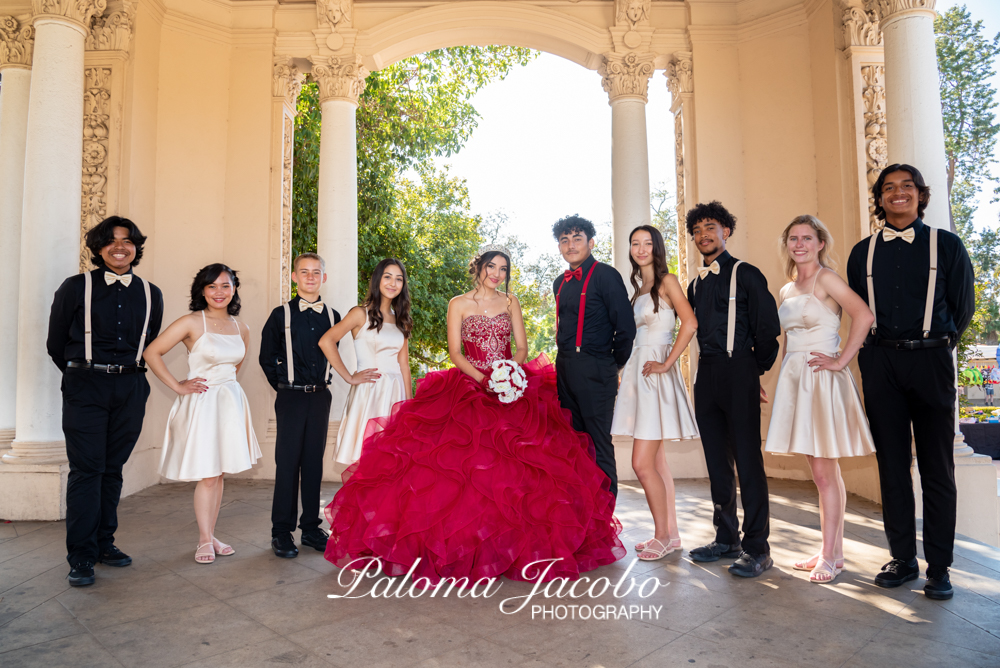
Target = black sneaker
(284,546)
(315,539)
(114,557)
(897,572)
(715,551)
(938,585)
(82,574)
(751,565)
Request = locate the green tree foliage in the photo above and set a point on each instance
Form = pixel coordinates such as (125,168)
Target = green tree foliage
(664,218)
(966,62)
(410,112)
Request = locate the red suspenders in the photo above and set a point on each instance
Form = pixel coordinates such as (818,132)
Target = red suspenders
(583,307)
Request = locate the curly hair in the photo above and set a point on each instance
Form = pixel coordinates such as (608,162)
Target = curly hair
(711,211)
(400,303)
(205,277)
(479,263)
(103,234)
(924,190)
(571,224)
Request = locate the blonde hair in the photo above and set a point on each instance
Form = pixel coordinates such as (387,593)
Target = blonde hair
(822,234)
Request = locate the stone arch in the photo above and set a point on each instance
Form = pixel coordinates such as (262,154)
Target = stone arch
(481,24)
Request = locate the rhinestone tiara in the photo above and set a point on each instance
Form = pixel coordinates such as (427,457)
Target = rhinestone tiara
(493,247)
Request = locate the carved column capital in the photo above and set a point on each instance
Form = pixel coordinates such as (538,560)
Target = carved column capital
(339,78)
(286,81)
(17,43)
(626,75)
(861,25)
(114,31)
(884,9)
(680,74)
(78,11)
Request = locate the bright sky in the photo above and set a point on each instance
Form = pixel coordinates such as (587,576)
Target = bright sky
(543,146)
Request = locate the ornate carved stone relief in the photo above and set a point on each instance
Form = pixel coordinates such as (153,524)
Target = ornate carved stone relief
(626,75)
(287,147)
(286,80)
(80,11)
(114,31)
(335,13)
(861,26)
(339,78)
(681,205)
(17,42)
(631,14)
(96,133)
(876,153)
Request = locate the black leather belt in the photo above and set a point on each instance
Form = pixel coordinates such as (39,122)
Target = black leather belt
(107,368)
(911,344)
(302,388)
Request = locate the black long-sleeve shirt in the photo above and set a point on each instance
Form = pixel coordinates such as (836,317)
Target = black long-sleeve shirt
(117,314)
(757,325)
(307,329)
(900,271)
(608,324)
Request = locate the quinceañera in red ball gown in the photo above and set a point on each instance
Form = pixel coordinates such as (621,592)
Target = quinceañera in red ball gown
(475,488)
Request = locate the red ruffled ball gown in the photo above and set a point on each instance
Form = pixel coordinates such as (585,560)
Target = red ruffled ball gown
(475,488)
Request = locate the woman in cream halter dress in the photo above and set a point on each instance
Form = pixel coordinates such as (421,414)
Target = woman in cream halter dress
(374,350)
(209,432)
(817,408)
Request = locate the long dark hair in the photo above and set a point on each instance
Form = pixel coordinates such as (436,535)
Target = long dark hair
(205,277)
(103,234)
(400,303)
(659,265)
(476,270)
(924,190)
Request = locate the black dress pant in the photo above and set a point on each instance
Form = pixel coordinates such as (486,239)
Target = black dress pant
(102,418)
(904,388)
(303,421)
(587,387)
(727,407)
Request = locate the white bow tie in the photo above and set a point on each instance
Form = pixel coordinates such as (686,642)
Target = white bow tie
(907,235)
(316,306)
(710,269)
(110,277)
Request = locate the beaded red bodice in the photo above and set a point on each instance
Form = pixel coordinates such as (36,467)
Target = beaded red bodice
(486,339)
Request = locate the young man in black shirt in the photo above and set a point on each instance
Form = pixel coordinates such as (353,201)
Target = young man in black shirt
(738,332)
(302,407)
(100,323)
(594,333)
(919,283)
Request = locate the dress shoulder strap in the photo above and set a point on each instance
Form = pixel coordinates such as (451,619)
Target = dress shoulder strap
(204,323)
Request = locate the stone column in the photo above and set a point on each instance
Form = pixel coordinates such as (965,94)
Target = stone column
(625,78)
(913,99)
(341,81)
(16,44)
(286,84)
(51,209)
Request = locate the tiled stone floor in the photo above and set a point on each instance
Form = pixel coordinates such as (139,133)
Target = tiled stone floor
(253,609)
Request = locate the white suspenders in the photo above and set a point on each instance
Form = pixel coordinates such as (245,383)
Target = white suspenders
(731,318)
(931,281)
(288,344)
(88,290)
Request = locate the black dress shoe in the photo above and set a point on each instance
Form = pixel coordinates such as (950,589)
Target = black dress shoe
(751,565)
(715,551)
(82,574)
(114,557)
(284,546)
(938,585)
(316,539)
(897,572)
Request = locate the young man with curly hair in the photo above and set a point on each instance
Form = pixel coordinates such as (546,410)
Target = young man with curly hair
(738,332)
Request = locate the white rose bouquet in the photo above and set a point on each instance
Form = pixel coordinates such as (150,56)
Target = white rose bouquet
(507,380)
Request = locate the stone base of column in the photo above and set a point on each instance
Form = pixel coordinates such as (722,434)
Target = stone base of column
(36,452)
(6,437)
(978,515)
(33,492)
